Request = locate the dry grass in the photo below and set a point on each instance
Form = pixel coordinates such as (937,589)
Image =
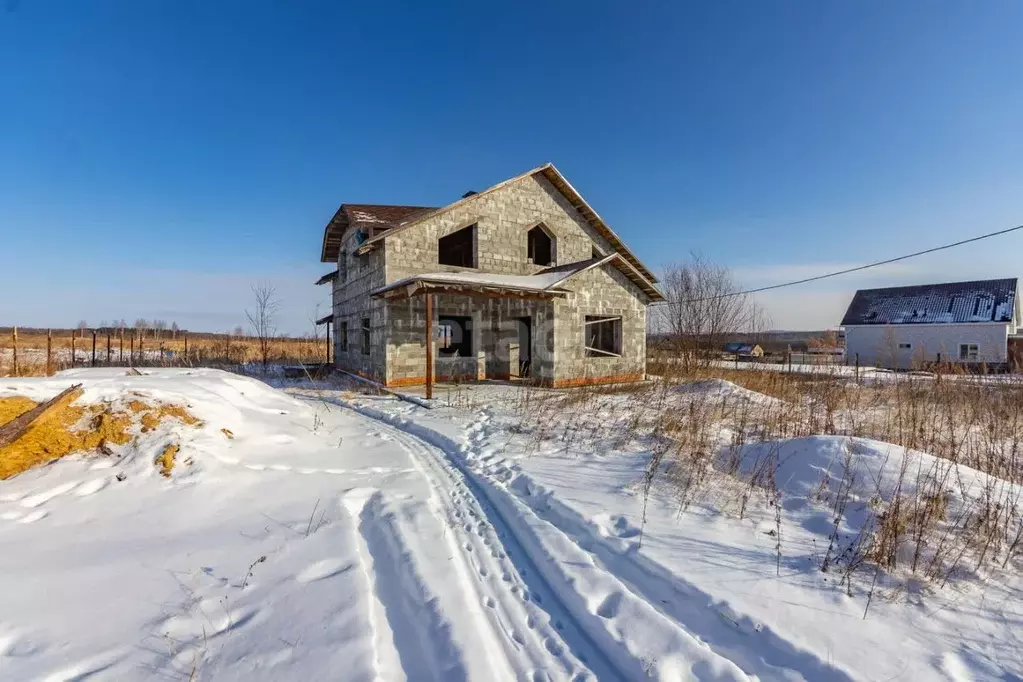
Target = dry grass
(939,521)
(166,460)
(75,428)
(217,351)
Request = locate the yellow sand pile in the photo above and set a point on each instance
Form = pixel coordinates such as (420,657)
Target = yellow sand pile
(74,428)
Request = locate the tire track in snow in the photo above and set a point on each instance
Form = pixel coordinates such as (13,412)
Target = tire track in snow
(421,633)
(529,635)
(549,620)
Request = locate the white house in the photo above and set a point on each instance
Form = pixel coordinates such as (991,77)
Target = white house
(904,327)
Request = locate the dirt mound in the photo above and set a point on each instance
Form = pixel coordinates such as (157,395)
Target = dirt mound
(75,428)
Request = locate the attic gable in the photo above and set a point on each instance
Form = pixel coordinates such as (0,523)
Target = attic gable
(558,181)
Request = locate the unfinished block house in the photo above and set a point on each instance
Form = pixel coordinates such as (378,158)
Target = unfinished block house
(522,280)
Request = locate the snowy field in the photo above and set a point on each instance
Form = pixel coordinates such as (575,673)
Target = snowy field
(330,534)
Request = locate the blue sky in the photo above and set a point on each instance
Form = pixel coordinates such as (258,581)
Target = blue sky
(157,158)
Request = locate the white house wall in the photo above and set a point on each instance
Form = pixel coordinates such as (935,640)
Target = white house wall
(878,345)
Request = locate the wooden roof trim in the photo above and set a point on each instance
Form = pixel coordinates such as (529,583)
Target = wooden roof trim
(562,184)
(426,286)
(572,273)
(332,237)
(325,319)
(627,269)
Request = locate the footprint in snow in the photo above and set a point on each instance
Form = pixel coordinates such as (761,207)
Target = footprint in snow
(42,498)
(92,487)
(325,568)
(611,605)
(34,516)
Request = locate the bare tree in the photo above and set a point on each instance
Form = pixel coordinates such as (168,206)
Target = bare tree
(238,331)
(313,317)
(263,319)
(705,307)
(141,325)
(174,330)
(83,326)
(159,326)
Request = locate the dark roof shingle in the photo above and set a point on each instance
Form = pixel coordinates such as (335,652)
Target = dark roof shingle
(377,216)
(990,300)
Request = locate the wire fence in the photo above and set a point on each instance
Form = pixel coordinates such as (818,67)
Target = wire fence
(42,353)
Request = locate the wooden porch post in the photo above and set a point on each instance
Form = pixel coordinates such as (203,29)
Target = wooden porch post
(429,346)
(329,325)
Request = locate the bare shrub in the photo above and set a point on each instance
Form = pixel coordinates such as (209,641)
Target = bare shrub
(263,319)
(705,307)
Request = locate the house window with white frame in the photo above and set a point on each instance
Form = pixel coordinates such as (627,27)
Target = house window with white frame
(969,352)
(602,336)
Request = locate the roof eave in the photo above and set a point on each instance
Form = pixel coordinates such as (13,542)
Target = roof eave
(340,218)
(417,286)
(562,184)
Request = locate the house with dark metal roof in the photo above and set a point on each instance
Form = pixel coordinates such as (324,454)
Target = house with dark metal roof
(744,350)
(521,280)
(911,326)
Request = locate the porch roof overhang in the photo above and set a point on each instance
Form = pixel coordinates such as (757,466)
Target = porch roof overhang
(473,284)
(326,319)
(329,277)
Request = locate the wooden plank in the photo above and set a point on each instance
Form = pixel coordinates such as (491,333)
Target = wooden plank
(429,346)
(14,429)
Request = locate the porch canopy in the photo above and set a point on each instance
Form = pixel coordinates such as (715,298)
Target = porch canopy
(542,286)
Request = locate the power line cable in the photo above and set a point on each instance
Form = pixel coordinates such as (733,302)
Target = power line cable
(848,270)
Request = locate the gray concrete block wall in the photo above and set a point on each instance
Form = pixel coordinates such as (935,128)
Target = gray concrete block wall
(352,304)
(494,336)
(503,219)
(603,291)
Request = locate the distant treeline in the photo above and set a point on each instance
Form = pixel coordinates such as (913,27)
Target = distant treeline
(770,341)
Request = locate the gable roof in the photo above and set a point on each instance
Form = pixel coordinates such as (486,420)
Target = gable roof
(992,300)
(373,216)
(554,177)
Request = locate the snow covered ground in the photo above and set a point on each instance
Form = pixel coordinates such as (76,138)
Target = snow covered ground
(341,535)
